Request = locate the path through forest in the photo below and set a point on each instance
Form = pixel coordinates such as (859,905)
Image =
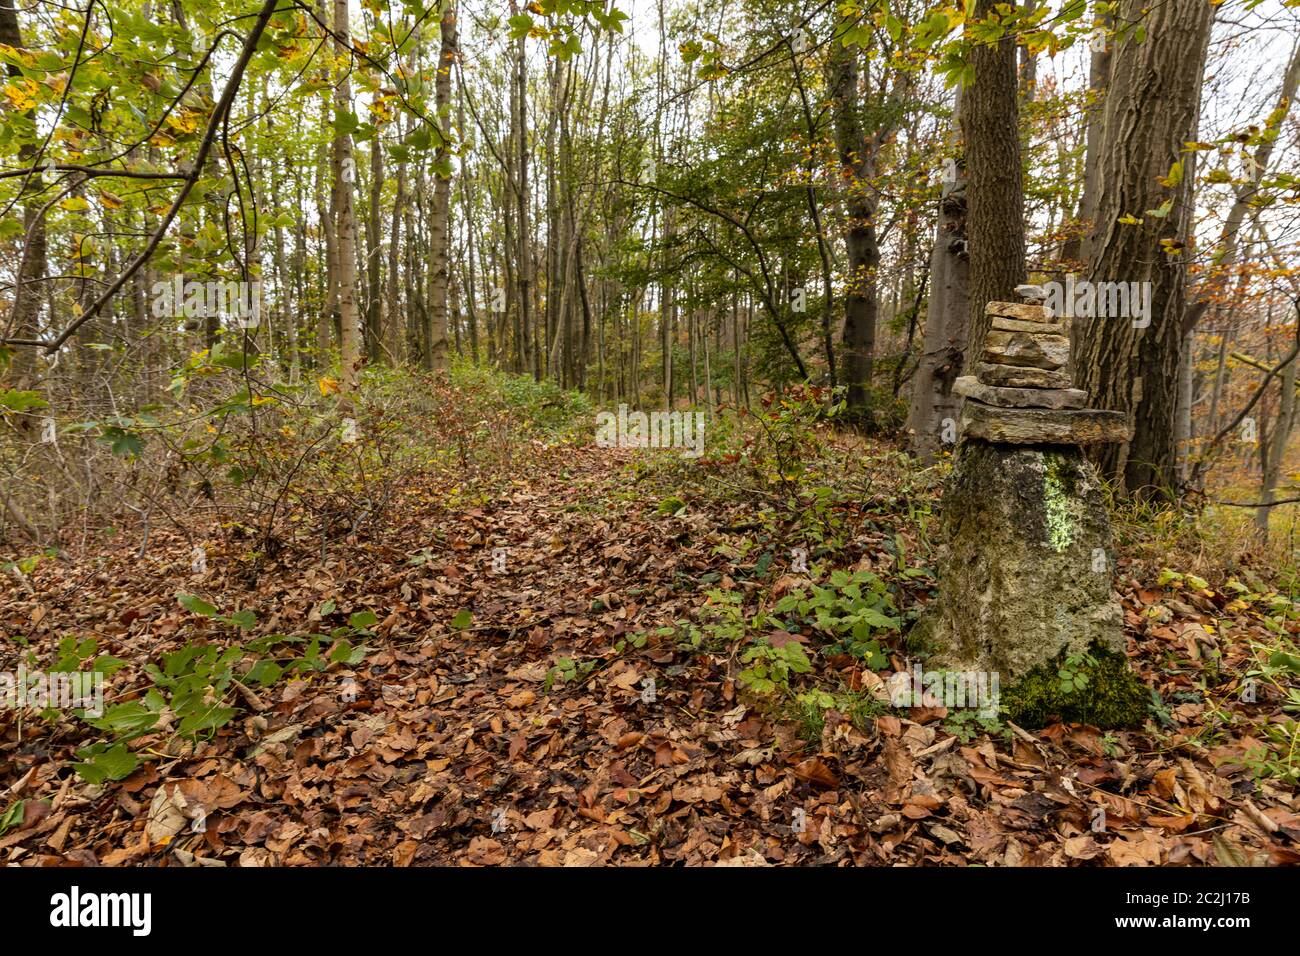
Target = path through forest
(449,745)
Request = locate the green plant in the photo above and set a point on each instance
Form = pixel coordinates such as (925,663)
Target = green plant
(1096,687)
(810,707)
(1278,667)
(1073,672)
(190,692)
(851,611)
(769,668)
(723,622)
(965,725)
(568,671)
(12,817)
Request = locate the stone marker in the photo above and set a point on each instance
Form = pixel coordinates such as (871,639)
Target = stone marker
(1020,529)
(1022,376)
(1026,562)
(1042,426)
(971,387)
(1025,313)
(1022,348)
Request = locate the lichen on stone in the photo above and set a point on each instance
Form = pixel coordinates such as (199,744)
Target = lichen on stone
(1061,506)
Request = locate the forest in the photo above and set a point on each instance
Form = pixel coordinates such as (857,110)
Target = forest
(763,433)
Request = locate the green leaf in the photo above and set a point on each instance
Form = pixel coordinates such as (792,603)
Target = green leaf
(462,620)
(520,24)
(195,605)
(125,720)
(263,672)
(1162,210)
(210,718)
(12,817)
(17,401)
(123,442)
(363,619)
(244,620)
(115,763)
(1283,659)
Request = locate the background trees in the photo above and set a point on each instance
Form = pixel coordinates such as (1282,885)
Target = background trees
(663,204)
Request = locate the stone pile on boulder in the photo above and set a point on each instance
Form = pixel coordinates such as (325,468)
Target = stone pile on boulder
(1021,391)
(1026,563)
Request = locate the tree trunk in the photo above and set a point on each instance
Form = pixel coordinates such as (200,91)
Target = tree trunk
(1151,110)
(344,168)
(994,193)
(857,161)
(439,225)
(25,311)
(1277,451)
(947,317)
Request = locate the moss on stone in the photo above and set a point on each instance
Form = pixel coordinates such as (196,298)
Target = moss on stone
(1113,696)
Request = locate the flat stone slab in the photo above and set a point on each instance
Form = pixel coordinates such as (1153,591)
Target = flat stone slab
(1019,376)
(1033,328)
(1017,310)
(1042,426)
(1022,348)
(971,387)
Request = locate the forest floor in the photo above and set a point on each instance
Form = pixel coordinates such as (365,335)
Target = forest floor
(527,735)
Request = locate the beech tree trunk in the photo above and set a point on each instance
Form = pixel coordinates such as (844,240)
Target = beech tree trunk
(23,320)
(857,162)
(947,318)
(440,218)
(344,167)
(1152,107)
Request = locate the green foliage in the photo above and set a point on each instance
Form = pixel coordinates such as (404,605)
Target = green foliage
(788,442)
(13,400)
(672,505)
(1073,672)
(568,671)
(12,817)
(809,709)
(722,622)
(189,696)
(769,668)
(28,563)
(852,610)
(967,724)
(1277,676)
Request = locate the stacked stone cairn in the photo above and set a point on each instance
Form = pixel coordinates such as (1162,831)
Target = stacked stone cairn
(1027,561)
(1021,391)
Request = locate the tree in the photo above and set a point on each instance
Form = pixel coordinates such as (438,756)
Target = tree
(345,221)
(857,158)
(995,227)
(26,306)
(1141,233)
(439,226)
(947,319)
